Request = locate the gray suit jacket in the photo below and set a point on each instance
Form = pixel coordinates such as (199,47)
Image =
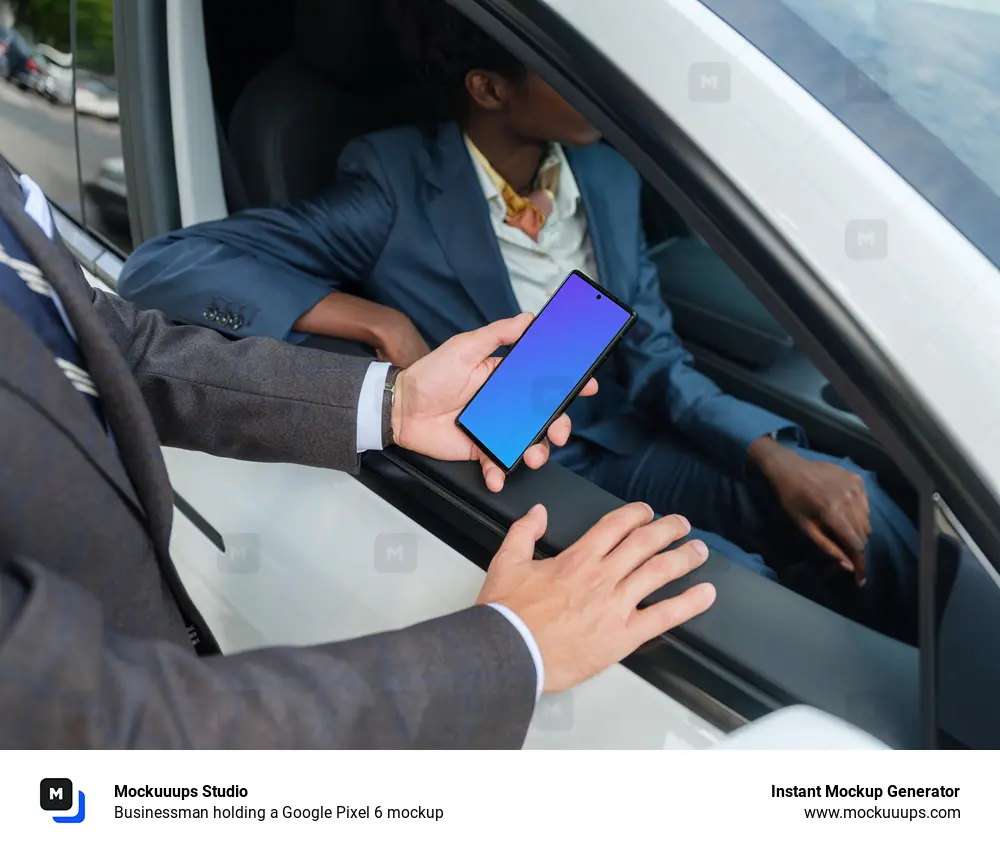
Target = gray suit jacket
(93,647)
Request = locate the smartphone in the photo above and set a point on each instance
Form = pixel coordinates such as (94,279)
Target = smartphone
(546,368)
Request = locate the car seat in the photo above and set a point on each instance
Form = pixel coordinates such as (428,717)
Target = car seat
(343,78)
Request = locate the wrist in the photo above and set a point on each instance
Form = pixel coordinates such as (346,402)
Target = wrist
(384,329)
(765,453)
(396,418)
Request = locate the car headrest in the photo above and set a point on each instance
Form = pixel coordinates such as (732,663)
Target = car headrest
(350,43)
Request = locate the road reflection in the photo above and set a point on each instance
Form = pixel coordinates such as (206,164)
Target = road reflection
(36,137)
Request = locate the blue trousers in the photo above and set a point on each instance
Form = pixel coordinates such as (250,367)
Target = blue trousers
(740,517)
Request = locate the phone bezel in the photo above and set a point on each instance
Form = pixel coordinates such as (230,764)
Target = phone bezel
(600,290)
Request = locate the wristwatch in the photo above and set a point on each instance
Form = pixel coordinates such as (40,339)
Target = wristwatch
(388,396)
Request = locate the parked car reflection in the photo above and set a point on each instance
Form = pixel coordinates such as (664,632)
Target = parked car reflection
(58,81)
(20,63)
(107,192)
(95,97)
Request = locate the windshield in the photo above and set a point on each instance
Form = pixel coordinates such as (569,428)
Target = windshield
(917,80)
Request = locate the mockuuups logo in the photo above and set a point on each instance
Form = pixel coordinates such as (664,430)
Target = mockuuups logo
(56,795)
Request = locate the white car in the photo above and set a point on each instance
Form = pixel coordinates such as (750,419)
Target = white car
(57,80)
(839,155)
(57,85)
(97,99)
(55,57)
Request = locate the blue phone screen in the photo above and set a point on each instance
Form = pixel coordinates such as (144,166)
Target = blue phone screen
(564,341)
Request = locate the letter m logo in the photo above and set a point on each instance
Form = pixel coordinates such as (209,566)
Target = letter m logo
(395,553)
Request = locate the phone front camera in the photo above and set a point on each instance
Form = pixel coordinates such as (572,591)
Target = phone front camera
(598,297)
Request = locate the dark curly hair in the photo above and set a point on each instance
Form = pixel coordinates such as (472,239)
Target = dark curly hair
(443,45)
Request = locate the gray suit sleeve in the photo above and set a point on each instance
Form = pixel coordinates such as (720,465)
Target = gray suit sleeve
(256,399)
(461,681)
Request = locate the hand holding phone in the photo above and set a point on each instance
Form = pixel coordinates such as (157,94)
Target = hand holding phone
(567,342)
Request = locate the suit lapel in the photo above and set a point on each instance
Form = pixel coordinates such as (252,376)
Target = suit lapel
(460,219)
(28,368)
(122,403)
(599,221)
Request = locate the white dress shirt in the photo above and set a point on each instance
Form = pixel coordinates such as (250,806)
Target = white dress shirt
(369,424)
(537,268)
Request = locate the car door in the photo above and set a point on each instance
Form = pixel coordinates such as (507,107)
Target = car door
(779,177)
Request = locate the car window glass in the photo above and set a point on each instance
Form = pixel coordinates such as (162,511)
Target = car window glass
(102,169)
(36,121)
(915,79)
(968,634)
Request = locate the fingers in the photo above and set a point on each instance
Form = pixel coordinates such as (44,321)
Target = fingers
(670,613)
(479,344)
(826,545)
(646,541)
(613,528)
(864,524)
(847,523)
(519,544)
(559,430)
(590,388)
(662,569)
(846,530)
(492,474)
(490,363)
(537,454)
(860,569)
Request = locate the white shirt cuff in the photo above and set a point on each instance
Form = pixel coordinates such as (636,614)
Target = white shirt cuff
(369,431)
(529,639)
(36,205)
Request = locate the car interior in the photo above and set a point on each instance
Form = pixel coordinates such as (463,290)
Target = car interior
(328,72)
(332,73)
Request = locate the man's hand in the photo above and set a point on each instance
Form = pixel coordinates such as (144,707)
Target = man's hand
(433,391)
(397,340)
(581,606)
(388,331)
(828,503)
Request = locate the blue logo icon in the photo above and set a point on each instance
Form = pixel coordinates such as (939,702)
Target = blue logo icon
(56,795)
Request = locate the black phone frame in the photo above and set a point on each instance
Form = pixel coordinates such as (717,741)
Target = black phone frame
(561,409)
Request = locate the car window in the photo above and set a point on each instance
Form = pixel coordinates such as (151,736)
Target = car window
(36,121)
(915,79)
(102,168)
(968,604)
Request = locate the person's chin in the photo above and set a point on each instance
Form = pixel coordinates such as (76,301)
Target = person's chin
(582,140)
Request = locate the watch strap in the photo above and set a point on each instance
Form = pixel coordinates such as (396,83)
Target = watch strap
(388,395)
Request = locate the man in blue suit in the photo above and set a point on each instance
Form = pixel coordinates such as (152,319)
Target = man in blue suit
(432,231)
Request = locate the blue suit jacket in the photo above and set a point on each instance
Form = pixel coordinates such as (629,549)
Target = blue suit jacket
(406,224)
